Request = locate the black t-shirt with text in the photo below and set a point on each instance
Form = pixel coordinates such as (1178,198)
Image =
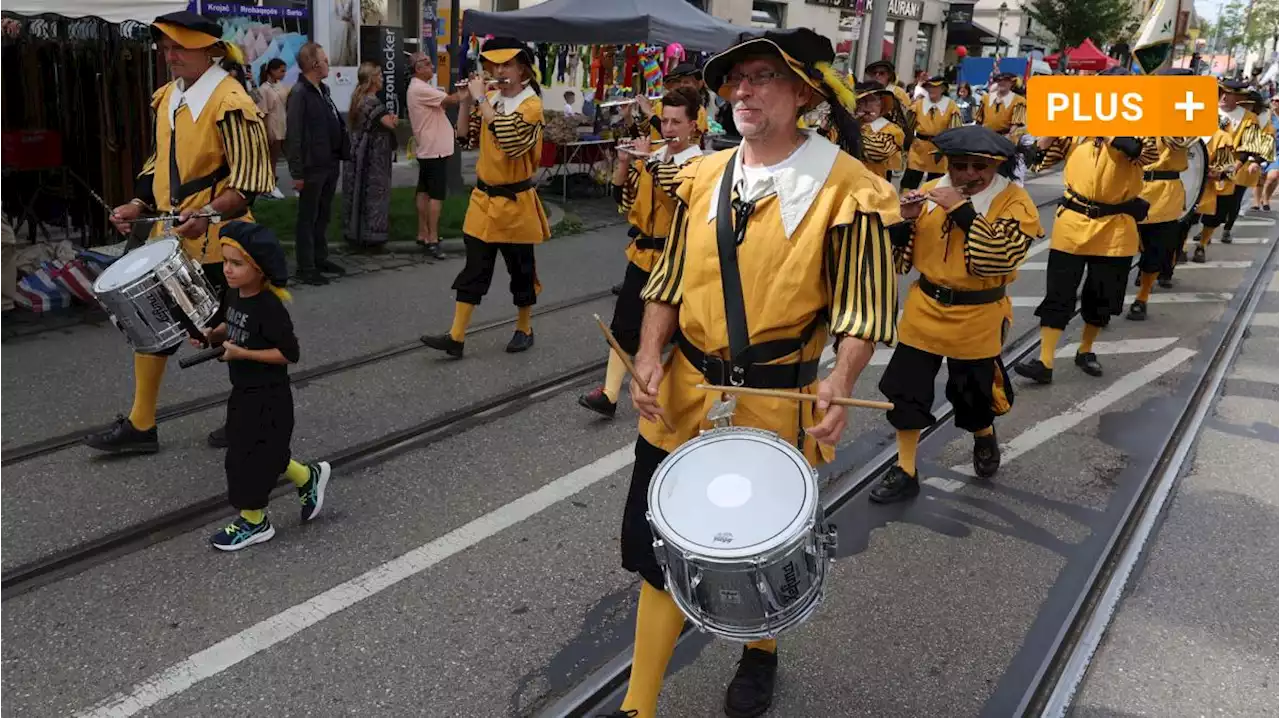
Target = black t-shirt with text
(259,322)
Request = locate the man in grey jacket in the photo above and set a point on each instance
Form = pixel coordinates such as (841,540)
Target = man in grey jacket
(316,143)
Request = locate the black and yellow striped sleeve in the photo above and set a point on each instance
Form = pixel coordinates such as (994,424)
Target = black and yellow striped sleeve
(956,120)
(1179,143)
(903,237)
(666,281)
(144,184)
(1018,117)
(861,277)
(666,176)
(1054,154)
(1255,143)
(980,111)
(248,153)
(1223,161)
(516,137)
(475,125)
(993,248)
(627,197)
(1150,151)
(877,146)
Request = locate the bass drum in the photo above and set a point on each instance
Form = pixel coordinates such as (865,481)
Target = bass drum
(1195,178)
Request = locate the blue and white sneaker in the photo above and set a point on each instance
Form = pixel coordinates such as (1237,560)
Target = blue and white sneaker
(311,494)
(242,534)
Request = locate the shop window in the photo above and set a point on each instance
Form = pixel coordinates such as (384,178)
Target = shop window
(924,47)
(768,15)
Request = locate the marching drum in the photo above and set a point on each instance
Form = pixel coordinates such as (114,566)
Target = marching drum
(155,295)
(739,533)
(1195,178)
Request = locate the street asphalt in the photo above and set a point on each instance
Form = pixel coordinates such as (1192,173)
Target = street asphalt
(478,575)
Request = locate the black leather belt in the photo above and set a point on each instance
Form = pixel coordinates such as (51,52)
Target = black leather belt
(506,191)
(1161,175)
(926,138)
(947,296)
(643,242)
(1136,207)
(759,376)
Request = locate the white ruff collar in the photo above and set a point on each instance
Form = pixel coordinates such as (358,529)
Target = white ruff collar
(197,95)
(942,104)
(998,99)
(878,123)
(506,105)
(797,181)
(680,158)
(982,200)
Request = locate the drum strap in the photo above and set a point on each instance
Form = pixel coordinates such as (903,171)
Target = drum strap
(183,319)
(728,237)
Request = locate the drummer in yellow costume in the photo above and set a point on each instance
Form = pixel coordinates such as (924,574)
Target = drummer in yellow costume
(1004,110)
(967,241)
(645,188)
(803,225)
(1160,233)
(505,214)
(1222,166)
(1095,237)
(211,158)
(934,113)
(1254,148)
(882,139)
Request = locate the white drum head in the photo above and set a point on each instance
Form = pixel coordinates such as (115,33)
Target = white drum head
(1195,177)
(733,493)
(135,264)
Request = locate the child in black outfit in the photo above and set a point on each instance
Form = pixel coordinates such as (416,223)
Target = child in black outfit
(259,344)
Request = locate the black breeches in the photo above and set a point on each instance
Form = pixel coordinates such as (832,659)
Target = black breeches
(1101,298)
(979,389)
(473,281)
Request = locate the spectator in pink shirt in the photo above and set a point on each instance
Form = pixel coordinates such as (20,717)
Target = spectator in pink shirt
(433,139)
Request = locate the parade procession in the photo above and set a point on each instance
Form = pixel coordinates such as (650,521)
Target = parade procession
(855,392)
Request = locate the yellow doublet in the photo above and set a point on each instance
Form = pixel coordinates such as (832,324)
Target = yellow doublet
(228,132)
(931,121)
(882,146)
(985,257)
(838,262)
(1004,117)
(510,148)
(1222,159)
(649,199)
(1167,197)
(1249,139)
(1097,172)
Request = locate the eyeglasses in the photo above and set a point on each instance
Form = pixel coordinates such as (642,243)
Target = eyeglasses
(966,165)
(755,79)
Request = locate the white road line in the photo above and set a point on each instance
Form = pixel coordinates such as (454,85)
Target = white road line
(1237,240)
(1242,264)
(1119,346)
(1061,423)
(1266,319)
(261,636)
(1159,298)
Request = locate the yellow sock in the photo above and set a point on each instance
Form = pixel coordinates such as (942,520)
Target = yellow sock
(658,624)
(1148,281)
(985,432)
(461,320)
(524,320)
(148,373)
(253,516)
(1206,236)
(768,645)
(1086,338)
(613,376)
(1048,344)
(297,473)
(907,442)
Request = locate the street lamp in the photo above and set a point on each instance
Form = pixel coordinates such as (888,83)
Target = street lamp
(1004,10)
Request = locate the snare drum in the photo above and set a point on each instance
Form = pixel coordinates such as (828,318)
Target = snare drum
(739,533)
(146,290)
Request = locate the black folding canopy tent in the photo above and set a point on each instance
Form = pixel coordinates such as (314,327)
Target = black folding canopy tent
(611,22)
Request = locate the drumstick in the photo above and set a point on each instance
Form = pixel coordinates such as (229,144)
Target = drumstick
(626,360)
(796,396)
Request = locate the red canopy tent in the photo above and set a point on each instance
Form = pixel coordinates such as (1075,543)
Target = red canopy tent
(1085,57)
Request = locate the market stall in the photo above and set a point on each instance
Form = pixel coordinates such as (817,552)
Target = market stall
(1087,58)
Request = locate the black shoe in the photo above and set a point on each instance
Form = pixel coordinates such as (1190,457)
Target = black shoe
(218,438)
(1226,237)
(1165,282)
(123,438)
(1137,312)
(616,289)
(619,714)
(312,277)
(444,343)
(1182,256)
(1198,257)
(897,485)
(1266,208)
(519,342)
(1035,370)
(986,455)
(1088,363)
(598,402)
(750,693)
(330,267)
(434,250)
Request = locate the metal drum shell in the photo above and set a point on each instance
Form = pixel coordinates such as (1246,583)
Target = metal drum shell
(140,307)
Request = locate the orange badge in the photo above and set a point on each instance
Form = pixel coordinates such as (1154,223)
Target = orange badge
(1122,106)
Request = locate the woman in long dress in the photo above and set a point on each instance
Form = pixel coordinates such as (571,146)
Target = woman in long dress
(366,178)
(272,103)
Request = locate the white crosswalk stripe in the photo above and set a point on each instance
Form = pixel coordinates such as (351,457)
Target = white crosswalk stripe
(1233,264)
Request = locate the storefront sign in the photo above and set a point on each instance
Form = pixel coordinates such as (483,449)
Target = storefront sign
(906,9)
(231,8)
(384,46)
(855,5)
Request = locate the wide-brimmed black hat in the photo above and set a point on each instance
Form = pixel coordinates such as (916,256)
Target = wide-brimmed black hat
(502,49)
(974,140)
(1233,87)
(684,69)
(870,87)
(881,65)
(188,29)
(1002,75)
(801,48)
(1180,71)
(935,81)
(1117,70)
